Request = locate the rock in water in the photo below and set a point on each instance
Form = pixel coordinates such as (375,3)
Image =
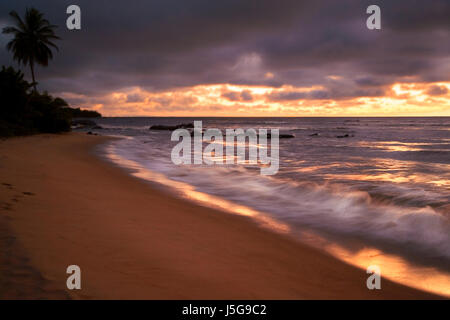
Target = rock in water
(344,136)
(171,128)
(83,122)
(282,135)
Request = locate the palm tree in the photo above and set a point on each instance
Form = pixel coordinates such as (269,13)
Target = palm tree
(32,40)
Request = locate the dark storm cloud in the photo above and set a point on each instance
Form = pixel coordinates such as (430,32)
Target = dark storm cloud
(437,90)
(171,43)
(245,95)
(324,94)
(135,97)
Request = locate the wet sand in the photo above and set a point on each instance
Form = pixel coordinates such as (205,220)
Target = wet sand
(61,205)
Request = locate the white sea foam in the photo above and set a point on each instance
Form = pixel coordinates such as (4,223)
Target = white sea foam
(348,187)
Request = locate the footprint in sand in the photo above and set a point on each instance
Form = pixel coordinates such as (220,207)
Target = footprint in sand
(6,206)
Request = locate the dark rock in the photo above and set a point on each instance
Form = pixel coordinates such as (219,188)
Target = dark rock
(186,125)
(161,127)
(83,122)
(282,135)
(344,136)
(171,128)
(314,134)
(192,132)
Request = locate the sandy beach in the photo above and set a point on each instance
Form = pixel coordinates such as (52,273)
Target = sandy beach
(61,205)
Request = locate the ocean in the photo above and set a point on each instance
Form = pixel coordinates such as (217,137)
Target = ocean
(367,190)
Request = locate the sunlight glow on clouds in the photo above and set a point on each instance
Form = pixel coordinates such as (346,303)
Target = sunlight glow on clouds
(239,58)
(406,99)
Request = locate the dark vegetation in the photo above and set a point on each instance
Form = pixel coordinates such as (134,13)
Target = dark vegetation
(24,110)
(78,113)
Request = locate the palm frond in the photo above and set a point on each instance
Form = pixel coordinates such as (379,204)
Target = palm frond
(33,38)
(8,30)
(18,20)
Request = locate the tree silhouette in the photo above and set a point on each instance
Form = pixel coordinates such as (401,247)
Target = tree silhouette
(32,40)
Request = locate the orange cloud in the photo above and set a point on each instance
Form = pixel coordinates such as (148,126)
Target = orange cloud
(399,99)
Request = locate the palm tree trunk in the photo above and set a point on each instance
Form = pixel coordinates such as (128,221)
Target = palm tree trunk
(32,75)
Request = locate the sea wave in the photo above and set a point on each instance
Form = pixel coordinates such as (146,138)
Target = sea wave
(389,213)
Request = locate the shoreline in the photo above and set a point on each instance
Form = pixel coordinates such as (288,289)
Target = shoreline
(134,241)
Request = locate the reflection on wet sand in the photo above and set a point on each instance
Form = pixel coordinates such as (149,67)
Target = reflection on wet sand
(392,266)
(188,192)
(396,268)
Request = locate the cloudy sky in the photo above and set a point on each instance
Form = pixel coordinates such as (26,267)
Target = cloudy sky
(248,58)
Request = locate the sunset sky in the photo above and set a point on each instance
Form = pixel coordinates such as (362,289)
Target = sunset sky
(248,58)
